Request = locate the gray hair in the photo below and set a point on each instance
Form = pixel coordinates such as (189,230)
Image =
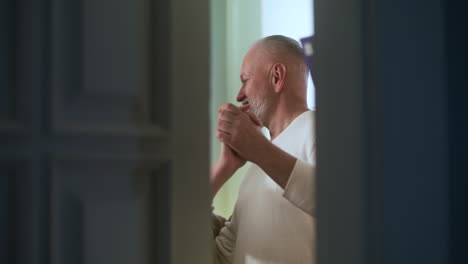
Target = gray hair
(278,46)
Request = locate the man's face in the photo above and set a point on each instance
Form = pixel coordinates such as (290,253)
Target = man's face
(255,89)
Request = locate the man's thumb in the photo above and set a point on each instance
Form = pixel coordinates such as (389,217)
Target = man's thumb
(252,116)
(254,119)
(245,107)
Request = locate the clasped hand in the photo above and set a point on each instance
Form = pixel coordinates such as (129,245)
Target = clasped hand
(240,131)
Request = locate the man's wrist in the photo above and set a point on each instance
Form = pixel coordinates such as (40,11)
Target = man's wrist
(263,153)
(226,167)
(221,173)
(277,164)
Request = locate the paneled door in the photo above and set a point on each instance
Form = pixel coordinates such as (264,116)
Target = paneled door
(103,132)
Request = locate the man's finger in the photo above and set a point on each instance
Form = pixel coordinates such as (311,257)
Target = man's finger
(229,145)
(223,137)
(245,107)
(224,126)
(254,119)
(229,108)
(252,116)
(226,116)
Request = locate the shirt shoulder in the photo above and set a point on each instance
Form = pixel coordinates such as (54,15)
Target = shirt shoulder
(298,139)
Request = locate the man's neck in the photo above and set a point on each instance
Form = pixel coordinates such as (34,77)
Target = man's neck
(283,116)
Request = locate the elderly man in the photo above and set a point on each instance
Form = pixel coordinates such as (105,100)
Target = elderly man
(273,220)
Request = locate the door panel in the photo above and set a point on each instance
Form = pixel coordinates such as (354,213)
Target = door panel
(13,92)
(103,211)
(104,60)
(89,172)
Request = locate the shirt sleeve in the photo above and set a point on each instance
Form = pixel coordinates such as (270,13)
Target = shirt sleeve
(300,189)
(224,238)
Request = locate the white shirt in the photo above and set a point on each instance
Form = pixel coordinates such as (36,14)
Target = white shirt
(269,224)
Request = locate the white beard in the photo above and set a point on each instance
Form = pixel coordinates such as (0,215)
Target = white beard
(260,105)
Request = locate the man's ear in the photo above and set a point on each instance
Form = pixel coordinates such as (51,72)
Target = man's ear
(278,74)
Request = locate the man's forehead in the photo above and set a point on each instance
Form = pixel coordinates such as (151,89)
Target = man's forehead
(246,68)
(251,60)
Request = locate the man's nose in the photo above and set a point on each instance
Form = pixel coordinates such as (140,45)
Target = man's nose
(240,96)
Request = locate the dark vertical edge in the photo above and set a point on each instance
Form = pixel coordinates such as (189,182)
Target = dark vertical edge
(55,61)
(53,205)
(161,63)
(28,212)
(415,139)
(70,24)
(13,20)
(32,205)
(457,82)
(44,186)
(13,57)
(45,94)
(9,21)
(160,215)
(24,213)
(4,212)
(65,218)
(12,217)
(341,142)
(152,61)
(21,214)
(70,234)
(372,134)
(31,28)
(5,46)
